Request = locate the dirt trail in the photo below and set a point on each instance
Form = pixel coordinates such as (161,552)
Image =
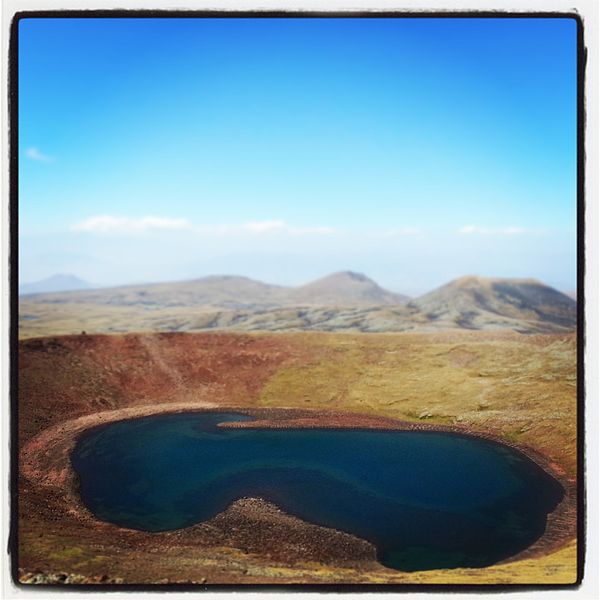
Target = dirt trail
(172,373)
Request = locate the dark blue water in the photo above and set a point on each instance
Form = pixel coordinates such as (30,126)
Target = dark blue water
(426,500)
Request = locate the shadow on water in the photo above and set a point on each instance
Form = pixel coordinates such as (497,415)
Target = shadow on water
(426,500)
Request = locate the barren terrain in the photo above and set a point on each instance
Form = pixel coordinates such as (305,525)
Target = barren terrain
(347,301)
(514,388)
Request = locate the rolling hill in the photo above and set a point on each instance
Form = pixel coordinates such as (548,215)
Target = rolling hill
(345,288)
(234,292)
(225,291)
(486,303)
(55,283)
(344,301)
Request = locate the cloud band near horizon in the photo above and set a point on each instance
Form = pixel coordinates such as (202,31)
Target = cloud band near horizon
(107,224)
(111,224)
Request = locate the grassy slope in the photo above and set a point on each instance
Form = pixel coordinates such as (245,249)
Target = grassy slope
(522,387)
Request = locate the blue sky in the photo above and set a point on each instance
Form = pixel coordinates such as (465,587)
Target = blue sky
(414,150)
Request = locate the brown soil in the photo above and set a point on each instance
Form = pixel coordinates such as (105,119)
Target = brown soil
(70,384)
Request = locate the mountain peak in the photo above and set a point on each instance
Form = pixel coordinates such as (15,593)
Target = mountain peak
(482,302)
(346,288)
(353,275)
(59,282)
(479,280)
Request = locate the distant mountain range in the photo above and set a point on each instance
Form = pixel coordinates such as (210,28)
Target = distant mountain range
(234,292)
(55,283)
(344,301)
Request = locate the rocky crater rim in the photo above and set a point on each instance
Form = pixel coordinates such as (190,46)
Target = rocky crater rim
(44,460)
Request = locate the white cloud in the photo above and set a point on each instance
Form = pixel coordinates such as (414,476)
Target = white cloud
(35,154)
(263,227)
(257,227)
(472,229)
(113,224)
(398,232)
(308,230)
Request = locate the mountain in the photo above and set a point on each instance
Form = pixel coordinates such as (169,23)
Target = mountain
(345,288)
(55,283)
(484,303)
(234,292)
(223,291)
(344,301)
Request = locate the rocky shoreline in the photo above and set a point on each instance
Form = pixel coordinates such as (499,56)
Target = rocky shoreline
(562,522)
(45,464)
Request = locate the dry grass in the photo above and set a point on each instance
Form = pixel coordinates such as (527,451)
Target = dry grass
(520,387)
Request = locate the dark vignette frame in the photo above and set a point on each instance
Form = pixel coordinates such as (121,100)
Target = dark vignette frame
(13,83)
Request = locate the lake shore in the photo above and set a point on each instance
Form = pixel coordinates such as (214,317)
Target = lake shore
(45,460)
